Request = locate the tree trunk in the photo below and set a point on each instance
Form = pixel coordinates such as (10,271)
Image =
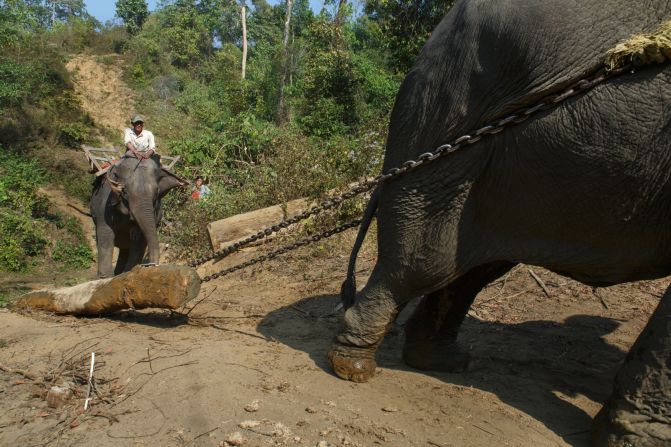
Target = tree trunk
(281,107)
(340,15)
(244,42)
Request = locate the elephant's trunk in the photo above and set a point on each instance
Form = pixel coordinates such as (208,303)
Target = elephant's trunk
(146,219)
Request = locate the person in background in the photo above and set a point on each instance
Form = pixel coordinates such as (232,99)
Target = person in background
(200,189)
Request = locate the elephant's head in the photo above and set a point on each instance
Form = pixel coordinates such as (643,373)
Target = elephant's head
(137,188)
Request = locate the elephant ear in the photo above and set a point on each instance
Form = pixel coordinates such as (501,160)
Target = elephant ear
(167,181)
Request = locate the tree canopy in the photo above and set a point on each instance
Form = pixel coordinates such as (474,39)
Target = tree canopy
(310,114)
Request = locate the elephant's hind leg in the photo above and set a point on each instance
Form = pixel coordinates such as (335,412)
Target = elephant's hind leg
(638,413)
(352,355)
(431,332)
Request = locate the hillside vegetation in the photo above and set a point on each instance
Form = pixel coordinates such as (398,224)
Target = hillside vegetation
(308,116)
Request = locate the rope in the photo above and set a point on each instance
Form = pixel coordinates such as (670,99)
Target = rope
(642,49)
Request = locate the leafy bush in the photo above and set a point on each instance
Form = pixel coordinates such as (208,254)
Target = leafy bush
(73,254)
(20,239)
(26,225)
(74,134)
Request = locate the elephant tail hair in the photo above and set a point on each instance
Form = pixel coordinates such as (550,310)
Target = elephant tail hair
(348,288)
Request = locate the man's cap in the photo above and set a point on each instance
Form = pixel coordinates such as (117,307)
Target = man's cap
(137,119)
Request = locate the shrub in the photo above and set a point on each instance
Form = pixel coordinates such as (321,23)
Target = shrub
(20,239)
(73,254)
(74,134)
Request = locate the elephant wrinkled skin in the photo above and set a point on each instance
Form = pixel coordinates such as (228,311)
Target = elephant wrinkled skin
(127,215)
(583,190)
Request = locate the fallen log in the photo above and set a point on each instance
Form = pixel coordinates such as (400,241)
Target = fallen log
(164,286)
(228,231)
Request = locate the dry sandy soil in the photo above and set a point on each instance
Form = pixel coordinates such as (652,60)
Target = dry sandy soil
(105,97)
(251,358)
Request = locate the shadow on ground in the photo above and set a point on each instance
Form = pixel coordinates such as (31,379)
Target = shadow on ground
(532,366)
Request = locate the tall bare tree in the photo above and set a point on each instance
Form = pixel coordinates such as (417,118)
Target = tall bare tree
(243,18)
(281,106)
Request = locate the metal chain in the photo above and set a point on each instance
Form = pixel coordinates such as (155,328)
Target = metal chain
(355,191)
(494,127)
(285,249)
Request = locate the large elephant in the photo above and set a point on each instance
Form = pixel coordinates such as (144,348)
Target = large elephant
(583,190)
(126,210)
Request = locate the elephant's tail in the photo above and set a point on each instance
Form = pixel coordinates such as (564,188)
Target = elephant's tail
(348,288)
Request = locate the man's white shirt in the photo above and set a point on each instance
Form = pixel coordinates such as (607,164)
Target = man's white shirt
(142,142)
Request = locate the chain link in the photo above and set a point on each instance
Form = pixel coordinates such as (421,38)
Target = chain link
(285,249)
(547,103)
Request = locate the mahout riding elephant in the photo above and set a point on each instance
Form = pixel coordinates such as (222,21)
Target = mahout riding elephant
(583,189)
(126,210)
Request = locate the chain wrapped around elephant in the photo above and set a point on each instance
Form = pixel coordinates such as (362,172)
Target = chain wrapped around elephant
(636,413)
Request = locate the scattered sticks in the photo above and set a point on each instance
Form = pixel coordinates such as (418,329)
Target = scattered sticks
(20,372)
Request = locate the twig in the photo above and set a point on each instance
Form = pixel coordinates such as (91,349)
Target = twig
(102,414)
(200,301)
(205,433)
(151,368)
(263,373)
(234,330)
(159,358)
(486,431)
(148,434)
(505,297)
(595,291)
(540,282)
(88,392)
(25,374)
(435,443)
(151,375)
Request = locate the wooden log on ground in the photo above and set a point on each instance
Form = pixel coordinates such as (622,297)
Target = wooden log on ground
(227,231)
(164,286)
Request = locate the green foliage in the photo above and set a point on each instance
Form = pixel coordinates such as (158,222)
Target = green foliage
(73,254)
(184,33)
(184,63)
(133,13)
(26,224)
(407,25)
(17,19)
(20,236)
(74,134)
(20,240)
(13,87)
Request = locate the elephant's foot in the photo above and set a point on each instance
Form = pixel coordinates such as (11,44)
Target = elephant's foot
(628,428)
(436,355)
(352,363)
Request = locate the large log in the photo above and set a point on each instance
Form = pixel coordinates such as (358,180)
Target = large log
(230,230)
(165,286)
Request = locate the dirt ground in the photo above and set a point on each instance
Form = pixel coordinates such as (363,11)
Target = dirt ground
(251,358)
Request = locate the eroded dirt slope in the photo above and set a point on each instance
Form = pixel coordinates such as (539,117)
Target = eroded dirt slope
(104,95)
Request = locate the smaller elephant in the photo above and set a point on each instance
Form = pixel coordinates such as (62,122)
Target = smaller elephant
(126,210)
